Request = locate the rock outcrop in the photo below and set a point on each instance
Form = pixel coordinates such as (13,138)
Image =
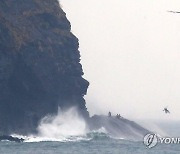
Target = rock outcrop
(40,70)
(11,138)
(39,64)
(118,127)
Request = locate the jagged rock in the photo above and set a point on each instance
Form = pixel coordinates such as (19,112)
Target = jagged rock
(39,64)
(40,69)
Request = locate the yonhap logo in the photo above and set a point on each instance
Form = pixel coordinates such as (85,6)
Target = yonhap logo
(151,140)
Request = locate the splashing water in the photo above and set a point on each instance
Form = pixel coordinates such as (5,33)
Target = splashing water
(64,126)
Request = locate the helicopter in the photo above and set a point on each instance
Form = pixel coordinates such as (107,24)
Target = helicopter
(166,110)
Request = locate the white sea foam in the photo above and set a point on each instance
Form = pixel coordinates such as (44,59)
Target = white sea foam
(65,126)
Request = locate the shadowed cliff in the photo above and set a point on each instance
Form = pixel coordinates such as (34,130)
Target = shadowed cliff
(40,71)
(39,64)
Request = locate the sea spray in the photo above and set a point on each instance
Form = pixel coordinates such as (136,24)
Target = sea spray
(63,125)
(66,125)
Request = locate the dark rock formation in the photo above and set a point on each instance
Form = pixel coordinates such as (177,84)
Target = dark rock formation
(10,138)
(39,64)
(118,127)
(40,70)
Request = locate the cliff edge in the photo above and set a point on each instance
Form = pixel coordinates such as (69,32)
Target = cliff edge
(40,70)
(39,64)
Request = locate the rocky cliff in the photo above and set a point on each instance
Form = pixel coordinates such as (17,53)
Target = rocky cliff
(39,64)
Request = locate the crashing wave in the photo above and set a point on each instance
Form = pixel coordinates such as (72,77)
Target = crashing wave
(67,126)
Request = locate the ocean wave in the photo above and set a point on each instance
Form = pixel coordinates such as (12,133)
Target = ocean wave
(66,126)
(99,134)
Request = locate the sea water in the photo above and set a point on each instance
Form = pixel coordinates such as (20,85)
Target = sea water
(67,133)
(97,143)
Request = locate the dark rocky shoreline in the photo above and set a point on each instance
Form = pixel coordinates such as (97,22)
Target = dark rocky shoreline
(11,138)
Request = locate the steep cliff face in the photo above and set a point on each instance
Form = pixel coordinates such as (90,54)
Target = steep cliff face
(39,64)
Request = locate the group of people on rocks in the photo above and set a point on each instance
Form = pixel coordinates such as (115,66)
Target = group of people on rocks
(118,116)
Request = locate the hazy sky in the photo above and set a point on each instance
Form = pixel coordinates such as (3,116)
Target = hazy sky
(130,55)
